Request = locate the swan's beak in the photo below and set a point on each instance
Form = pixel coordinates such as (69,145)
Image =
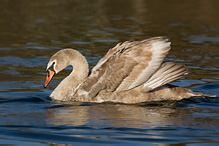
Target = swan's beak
(49,77)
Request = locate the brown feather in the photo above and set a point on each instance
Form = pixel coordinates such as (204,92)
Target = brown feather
(126,66)
(168,72)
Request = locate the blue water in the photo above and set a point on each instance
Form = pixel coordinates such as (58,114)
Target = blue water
(30,32)
(37,119)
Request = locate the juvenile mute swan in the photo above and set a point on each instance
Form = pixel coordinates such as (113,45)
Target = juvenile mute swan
(131,72)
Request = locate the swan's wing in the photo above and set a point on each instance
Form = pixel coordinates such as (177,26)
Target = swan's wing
(126,66)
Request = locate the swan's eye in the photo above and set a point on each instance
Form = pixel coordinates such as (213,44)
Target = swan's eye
(52,66)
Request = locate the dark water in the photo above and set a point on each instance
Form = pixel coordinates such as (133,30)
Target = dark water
(31,31)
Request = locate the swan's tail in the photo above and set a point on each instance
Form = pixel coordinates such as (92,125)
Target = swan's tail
(168,72)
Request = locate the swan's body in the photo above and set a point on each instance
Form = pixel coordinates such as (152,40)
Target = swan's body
(131,72)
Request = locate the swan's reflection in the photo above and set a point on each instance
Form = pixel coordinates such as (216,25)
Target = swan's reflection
(155,115)
(114,115)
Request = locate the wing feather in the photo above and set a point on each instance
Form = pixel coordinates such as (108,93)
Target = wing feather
(126,66)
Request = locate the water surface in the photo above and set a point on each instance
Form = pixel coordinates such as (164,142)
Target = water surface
(30,32)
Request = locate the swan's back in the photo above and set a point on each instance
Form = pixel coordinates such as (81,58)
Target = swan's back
(126,66)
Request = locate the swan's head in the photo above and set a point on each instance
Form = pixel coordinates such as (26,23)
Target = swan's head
(57,63)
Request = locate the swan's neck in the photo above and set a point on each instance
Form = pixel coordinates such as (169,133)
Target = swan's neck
(80,71)
(80,66)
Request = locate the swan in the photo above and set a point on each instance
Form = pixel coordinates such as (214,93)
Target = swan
(131,72)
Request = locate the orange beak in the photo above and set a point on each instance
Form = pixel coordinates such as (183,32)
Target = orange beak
(49,77)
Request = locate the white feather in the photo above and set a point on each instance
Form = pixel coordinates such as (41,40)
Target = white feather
(158,49)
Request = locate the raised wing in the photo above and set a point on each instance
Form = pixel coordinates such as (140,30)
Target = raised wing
(126,66)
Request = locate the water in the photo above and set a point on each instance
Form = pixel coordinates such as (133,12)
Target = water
(30,32)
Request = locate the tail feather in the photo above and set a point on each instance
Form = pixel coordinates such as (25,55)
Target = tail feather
(168,72)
